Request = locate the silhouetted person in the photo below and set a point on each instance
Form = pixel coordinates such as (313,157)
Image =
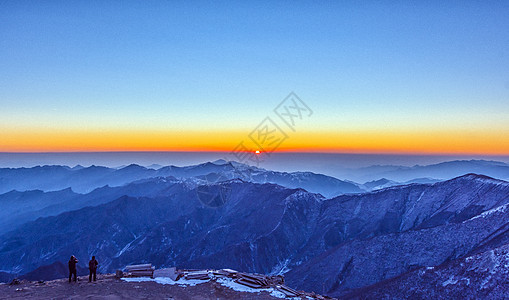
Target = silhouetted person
(72,268)
(92,266)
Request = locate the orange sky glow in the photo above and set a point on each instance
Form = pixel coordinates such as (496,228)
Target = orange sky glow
(424,142)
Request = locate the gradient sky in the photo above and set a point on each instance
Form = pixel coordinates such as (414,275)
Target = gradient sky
(392,77)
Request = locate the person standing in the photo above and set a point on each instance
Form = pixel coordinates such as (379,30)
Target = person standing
(72,268)
(92,267)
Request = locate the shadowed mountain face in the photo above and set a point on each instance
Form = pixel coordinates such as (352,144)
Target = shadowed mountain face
(481,276)
(330,246)
(20,207)
(363,262)
(57,269)
(178,225)
(388,232)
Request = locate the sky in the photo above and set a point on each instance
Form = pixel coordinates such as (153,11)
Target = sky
(376,76)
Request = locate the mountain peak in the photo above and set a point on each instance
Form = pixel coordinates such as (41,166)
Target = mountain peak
(133,166)
(154,166)
(479,177)
(220,162)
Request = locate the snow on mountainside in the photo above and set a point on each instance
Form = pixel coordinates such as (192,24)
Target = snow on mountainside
(18,207)
(175,228)
(481,276)
(385,183)
(109,287)
(416,226)
(330,246)
(363,262)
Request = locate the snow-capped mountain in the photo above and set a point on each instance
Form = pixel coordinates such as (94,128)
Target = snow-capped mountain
(85,180)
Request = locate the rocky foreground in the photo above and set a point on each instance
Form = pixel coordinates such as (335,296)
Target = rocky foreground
(108,287)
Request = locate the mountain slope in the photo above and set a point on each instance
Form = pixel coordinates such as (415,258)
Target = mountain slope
(362,262)
(172,228)
(17,208)
(330,246)
(55,270)
(402,208)
(481,276)
(384,233)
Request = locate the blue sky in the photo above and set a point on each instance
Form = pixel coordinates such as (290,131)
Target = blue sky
(171,65)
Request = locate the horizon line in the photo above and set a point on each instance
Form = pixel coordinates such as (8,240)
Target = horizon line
(321,151)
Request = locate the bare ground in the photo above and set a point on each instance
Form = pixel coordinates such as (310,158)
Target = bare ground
(110,288)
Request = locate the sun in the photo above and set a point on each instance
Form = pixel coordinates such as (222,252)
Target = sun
(257,152)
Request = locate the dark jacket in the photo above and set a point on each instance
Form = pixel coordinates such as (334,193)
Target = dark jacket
(72,264)
(92,264)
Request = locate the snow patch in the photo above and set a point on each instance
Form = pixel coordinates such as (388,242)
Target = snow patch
(226,282)
(281,267)
(229,283)
(485,282)
(451,280)
(124,249)
(491,211)
(166,280)
(278,294)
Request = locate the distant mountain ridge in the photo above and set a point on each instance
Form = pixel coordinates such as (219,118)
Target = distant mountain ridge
(85,180)
(108,184)
(385,183)
(441,171)
(21,207)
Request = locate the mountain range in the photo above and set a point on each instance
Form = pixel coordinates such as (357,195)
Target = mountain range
(441,171)
(85,180)
(360,244)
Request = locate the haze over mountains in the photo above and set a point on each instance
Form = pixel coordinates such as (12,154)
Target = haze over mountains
(338,165)
(326,235)
(442,171)
(83,180)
